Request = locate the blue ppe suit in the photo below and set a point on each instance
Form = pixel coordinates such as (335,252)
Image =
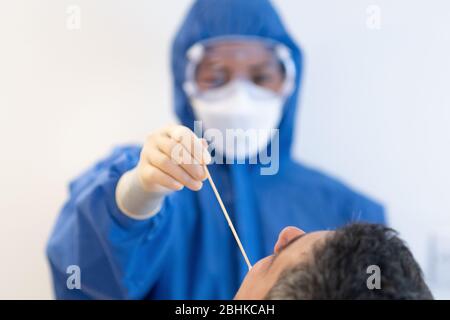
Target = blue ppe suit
(187,251)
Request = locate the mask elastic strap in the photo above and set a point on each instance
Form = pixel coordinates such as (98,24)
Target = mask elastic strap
(225,213)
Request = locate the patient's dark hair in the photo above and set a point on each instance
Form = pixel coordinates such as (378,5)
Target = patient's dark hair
(338,268)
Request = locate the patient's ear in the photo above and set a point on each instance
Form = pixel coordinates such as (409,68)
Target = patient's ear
(286,235)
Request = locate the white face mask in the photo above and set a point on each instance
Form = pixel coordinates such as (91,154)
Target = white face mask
(247,109)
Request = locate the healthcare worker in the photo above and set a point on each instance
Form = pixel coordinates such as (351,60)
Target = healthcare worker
(140,226)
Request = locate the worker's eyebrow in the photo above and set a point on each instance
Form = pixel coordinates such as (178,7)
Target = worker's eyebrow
(264,65)
(275,255)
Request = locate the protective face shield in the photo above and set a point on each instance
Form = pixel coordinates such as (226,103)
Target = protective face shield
(238,86)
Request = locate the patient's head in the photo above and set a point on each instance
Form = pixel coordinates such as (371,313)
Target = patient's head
(334,265)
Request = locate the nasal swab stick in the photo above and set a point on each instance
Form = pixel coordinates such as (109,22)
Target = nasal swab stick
(225,213)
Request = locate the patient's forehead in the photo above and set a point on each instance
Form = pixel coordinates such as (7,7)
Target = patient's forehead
(302,248)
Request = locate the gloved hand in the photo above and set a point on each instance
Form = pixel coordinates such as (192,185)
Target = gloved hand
(171,158)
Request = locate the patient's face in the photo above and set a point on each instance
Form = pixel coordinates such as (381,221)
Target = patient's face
(293,246)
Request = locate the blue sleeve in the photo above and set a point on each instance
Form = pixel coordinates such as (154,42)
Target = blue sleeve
(118,257)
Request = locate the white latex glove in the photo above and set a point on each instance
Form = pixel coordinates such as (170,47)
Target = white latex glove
(172,158)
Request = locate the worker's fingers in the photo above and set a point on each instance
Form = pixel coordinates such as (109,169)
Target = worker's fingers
(204,143)
(190,142)
(151,176)
(178,153)
(161,161)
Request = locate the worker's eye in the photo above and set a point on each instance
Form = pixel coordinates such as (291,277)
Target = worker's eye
(269,75)
(216,81)
(263,78)
(212,78)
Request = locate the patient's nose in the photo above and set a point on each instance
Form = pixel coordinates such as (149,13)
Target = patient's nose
(286,235)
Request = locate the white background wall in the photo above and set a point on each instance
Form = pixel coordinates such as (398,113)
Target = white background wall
(375,109)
